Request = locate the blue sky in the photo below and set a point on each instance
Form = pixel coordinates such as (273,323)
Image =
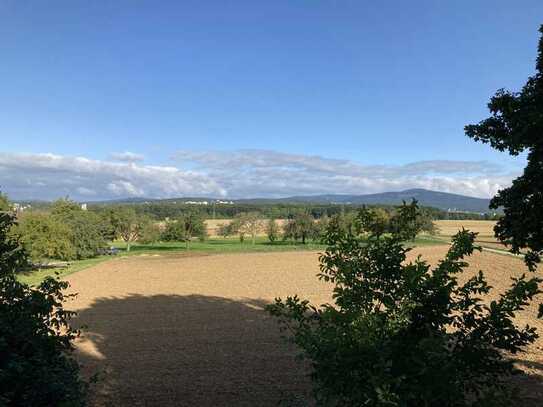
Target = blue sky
(372,84)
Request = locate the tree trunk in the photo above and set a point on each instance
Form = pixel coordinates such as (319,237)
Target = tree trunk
(128,246)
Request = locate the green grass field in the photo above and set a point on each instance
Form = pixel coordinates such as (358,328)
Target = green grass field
(212,245)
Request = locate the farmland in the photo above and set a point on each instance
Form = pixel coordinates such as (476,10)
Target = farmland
(176,328)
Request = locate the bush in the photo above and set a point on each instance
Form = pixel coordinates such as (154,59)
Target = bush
(406,334)
(35,338)
(44,237)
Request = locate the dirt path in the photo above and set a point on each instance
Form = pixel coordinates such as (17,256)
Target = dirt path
(191,331)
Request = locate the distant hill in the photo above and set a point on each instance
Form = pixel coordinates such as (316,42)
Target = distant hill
(441,200)
(435,199)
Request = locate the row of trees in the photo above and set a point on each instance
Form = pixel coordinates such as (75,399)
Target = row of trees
(303,226)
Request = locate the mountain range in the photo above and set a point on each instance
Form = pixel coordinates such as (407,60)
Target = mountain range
(436,199)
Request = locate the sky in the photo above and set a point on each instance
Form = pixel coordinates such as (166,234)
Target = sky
(106,100)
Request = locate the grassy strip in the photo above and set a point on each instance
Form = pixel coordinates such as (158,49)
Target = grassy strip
(213,245)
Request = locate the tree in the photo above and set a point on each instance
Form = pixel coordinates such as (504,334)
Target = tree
(4,203)
(150,232)
(194,226)
(36,367)
(174,231)
(403,333)
(225,230)
(86,227)
(127,224)
(407,222)
(185,228)
(45,237)
(247,224)
(516,125)
(272,230)
(375,221)
(302,226)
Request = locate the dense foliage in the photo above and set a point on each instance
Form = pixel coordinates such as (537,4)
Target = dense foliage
(516,125)
(404,333)
(185,228)
(86,228)
(35,337)
(45,237)
(301,227)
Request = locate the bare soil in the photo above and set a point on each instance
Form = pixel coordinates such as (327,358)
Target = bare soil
(174,330)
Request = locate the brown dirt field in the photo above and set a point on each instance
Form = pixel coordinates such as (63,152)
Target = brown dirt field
(174,330)
(450,227)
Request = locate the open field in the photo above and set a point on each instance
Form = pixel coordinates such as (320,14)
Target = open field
(212,245)
(188,329)
(484,228)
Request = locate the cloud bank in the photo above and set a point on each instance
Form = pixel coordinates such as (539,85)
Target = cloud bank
(235,174)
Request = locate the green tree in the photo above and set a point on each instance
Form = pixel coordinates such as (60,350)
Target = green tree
(85,227)
(44,237)
(194,227)
(174,231)
(36,368)
(272,230)
(127,224)
(225,230)
(515,125)
(150,232)
(375,221)
(404,333)
(5,205)
(407,222)
(302,226)
(185,228)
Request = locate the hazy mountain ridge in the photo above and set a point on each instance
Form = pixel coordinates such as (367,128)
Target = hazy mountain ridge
(436,199)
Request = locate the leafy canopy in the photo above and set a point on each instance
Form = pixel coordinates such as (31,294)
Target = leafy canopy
(397,326)
(516,126)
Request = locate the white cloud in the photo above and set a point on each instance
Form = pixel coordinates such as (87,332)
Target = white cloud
(127,156)
(271,173)
(49,176)
(236,174)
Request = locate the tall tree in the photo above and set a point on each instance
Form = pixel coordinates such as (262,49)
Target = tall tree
(516,126)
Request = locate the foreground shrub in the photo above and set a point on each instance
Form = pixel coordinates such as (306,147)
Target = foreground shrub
(35,337)
(406,334)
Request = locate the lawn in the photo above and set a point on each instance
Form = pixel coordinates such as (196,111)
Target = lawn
(211,246)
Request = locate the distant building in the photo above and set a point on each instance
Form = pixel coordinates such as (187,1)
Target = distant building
(84,206)
(18,208)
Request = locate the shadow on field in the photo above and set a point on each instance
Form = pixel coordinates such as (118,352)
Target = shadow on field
(530,381)
(168,350)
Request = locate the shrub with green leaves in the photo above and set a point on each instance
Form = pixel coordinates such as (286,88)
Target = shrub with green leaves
(405,333)
(36,368)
